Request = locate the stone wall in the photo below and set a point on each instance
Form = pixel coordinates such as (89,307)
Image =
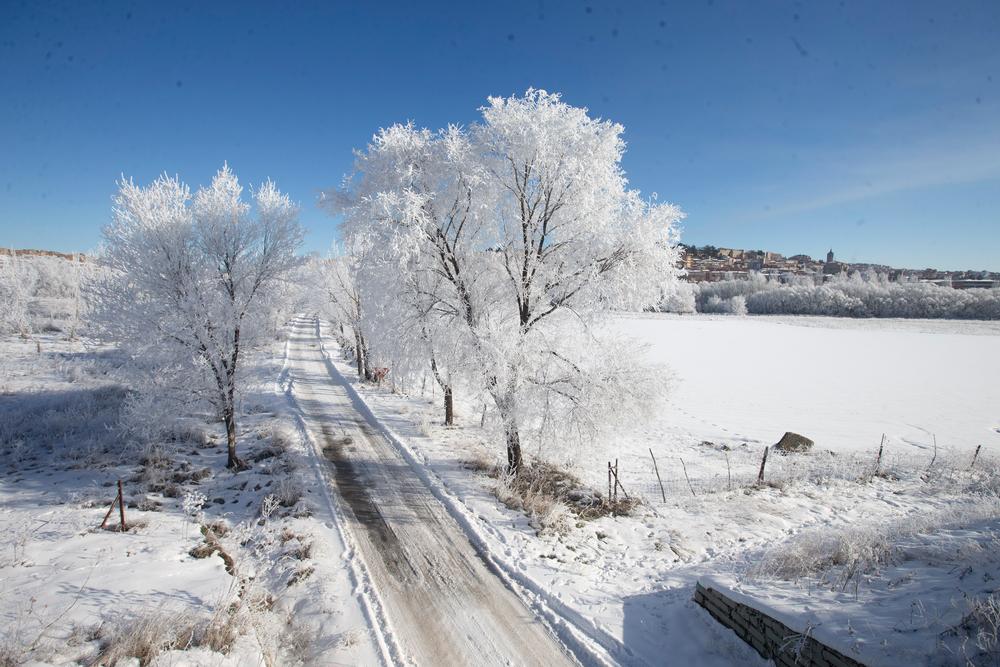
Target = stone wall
(771,638)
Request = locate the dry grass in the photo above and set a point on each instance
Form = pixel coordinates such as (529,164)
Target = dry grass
(980,631)
(840,556)
(147,636)
(301,575)
(554,498)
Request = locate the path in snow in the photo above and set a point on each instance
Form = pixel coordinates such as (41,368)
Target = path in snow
(443,603)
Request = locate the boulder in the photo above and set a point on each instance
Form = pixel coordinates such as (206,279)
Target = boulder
(793,443)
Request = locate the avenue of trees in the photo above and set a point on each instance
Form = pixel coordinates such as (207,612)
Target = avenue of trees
(485,256)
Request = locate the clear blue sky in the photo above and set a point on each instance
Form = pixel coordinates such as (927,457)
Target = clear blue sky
(871,127)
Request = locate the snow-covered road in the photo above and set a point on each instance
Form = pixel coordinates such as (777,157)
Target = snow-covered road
(442,602)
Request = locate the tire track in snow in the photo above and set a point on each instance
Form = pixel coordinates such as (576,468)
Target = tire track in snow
(443,602)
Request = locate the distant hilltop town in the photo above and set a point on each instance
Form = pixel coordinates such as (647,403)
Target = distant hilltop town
(710,264)
(29,252)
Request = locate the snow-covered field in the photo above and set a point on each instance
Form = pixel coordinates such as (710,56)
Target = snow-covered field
(880,565)
(71,593)
(739,383)
(841,382)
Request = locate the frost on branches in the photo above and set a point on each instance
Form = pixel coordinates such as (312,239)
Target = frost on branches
(193,282)
(490,253)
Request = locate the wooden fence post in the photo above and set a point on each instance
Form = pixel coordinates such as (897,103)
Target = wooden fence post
(618,484)
(609,481)
(120,501)
(121,505)
(110,510)
(686,475)
(975,456)
(878,459)
(763,461)
(657,470)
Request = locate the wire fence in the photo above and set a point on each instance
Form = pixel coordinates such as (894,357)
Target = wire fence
(718,471)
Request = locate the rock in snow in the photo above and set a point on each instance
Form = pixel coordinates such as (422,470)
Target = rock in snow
(793,443)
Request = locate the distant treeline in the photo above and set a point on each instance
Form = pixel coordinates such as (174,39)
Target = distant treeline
(854,296)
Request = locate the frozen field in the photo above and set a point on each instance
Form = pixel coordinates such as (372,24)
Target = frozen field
(841,382)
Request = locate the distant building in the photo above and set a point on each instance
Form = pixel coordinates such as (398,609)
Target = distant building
(829,257)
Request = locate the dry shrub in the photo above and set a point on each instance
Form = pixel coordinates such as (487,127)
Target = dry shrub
(302,552)
(552,497)
(981,627)
(287,492)
(130,525)
(300,575)
(11,655)
(211,545)
(147,636)
(277,438)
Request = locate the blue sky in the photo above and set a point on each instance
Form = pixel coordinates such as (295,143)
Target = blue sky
(871,127)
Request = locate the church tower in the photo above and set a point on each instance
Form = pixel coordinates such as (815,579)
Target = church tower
(829,257)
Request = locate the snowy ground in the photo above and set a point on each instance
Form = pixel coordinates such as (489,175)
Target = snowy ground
(619,588)
(70,591)
(626,582)
(842,382)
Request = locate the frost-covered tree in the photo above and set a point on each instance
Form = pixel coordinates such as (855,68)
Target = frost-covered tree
(338,297)
(191,280)
(510,238)
(17,284)
(571,240)
(408,211)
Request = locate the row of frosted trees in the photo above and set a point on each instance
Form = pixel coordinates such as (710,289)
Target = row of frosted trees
(483,257)
(855,296)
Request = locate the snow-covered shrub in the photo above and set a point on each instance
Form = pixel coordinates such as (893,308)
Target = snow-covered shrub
(43,294)
(17,281)
(734,305)
(287,492)
(681,299)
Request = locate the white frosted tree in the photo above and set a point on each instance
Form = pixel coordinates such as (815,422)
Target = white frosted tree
(409,214)
(17,282)
(510,238)
(571,241)
(191,281)
(338,297)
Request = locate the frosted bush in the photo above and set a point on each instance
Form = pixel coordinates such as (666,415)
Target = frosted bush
(681,299)
(193,502)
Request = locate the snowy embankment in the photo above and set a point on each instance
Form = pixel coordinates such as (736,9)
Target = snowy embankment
(739,384)
(161,591)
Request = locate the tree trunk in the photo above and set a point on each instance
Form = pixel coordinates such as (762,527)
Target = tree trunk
(513,449)
(233,462)
(359,353)
(449,407)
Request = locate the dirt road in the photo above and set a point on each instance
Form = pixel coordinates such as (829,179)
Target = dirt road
(444,604)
